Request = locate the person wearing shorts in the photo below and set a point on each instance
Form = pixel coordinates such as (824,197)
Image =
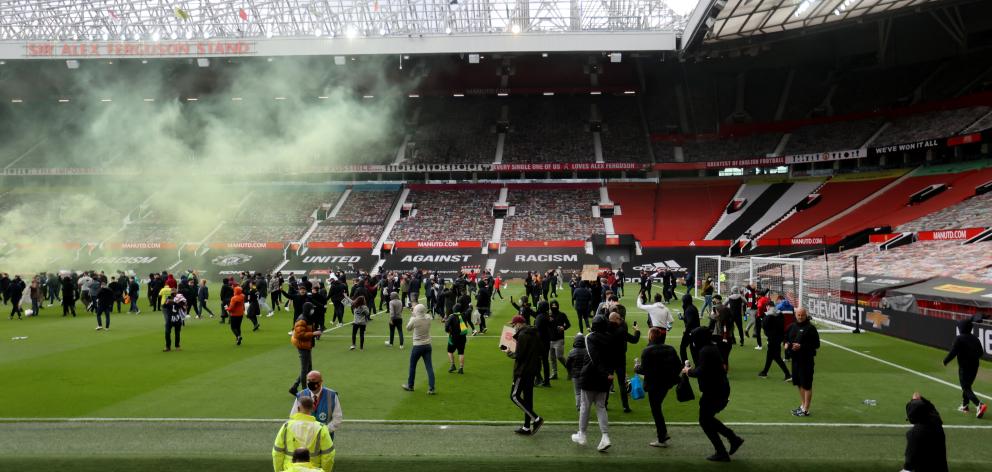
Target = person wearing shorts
(801,344)
(457,329)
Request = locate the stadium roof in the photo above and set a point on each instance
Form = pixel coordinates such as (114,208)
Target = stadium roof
(131,20)
(745,18)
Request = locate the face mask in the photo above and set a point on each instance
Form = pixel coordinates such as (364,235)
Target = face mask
(313,386)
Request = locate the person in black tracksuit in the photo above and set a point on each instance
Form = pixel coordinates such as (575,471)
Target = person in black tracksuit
(660,365)
(736,304)
(226,292)
(104,305)
(968,351)
(714,389)
(68,296)
(544,327)
(526,366)
(15,290)
(254,308)
(774,326)
(582,302)
(337,295)
(926,445)
(691,317)
(4,286)
(483,303)
(524,309)
(620,338)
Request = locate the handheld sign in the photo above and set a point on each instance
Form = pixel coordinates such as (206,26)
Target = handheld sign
(506,341)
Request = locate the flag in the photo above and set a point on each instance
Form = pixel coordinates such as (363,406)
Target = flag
(243,14)
(182,14)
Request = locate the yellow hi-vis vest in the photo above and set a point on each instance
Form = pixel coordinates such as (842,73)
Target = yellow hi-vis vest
(303,430)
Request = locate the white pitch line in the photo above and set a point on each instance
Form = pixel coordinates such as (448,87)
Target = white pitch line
(892,364)
(468,422)
(897,366)
(15,161)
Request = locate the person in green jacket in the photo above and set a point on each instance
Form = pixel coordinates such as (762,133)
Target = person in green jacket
(303,431)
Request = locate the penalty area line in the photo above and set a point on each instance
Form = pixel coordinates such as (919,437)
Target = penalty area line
(470,422)
(903,368)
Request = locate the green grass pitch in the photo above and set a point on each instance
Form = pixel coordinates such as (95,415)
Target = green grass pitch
(65,369)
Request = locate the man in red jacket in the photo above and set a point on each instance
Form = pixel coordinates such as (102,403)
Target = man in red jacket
(236,309)
(764,303)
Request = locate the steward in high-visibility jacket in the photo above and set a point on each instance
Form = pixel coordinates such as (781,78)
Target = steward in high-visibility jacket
(303,430)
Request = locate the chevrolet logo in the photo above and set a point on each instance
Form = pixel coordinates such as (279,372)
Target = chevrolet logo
(878,319)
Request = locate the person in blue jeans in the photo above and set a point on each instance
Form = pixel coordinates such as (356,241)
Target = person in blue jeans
(707,295)
(420,326)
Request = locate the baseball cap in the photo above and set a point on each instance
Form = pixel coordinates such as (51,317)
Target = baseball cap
(518,319)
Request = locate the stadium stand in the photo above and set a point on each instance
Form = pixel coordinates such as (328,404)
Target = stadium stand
(975,212)
(834,136)
(755,145)
(360,218)
(455,130)
(931,125)
(673,209)
(448,215)
(549,129)
(892,207)
(922,259)
(274,215)
(836,195)
(622,134)
(552,214)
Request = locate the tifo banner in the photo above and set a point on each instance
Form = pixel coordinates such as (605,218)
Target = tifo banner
(107,49)
(516,262)
(925,144)
(826,156)
(437,244)
(569,166)
(318,261)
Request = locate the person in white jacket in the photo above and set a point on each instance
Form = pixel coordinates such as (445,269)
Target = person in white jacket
(420,325)
(658,313)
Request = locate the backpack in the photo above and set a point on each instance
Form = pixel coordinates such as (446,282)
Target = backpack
(462,326)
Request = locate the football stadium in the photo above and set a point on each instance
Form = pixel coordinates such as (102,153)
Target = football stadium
(380,235)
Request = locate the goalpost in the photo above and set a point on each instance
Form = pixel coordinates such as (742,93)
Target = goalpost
(801,281)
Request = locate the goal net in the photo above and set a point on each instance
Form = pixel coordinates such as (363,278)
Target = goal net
(801,281)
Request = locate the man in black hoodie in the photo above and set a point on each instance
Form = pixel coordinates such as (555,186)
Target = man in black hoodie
(621,337)
(544,327)
(582,302)
(526,366)
(968,350)
(104,305)
(660,366)
(68,296)
(926,446)
(336,295)
(559,324)
(15,290)
(774,326)
(691,317)
(226,292)
(524,309)
(714,389)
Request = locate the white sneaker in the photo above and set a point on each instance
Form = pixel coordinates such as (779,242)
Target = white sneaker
(401,346)
(271,314)
(604,443)
(290,333)
(579,438)
(963,409)
(389,344)
(757,348)
(352,348)
(99,328)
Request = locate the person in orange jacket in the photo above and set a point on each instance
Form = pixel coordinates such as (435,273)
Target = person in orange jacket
(303,340)
(236,309)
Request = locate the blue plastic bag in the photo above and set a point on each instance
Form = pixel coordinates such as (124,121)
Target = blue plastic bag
(636,387)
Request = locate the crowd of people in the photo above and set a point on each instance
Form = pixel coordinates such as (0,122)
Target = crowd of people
(596,362)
